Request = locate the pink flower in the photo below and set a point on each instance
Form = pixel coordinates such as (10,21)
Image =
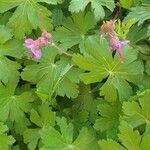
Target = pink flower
(108,30)
(117,45)
(36,45)
(29,43)
(37,53)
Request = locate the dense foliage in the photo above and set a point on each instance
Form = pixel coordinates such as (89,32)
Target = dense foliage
(79,94)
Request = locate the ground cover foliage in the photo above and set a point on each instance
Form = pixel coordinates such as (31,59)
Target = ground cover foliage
(79,95)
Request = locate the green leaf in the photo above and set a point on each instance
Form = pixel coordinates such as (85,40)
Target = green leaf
(128,4)
(53,139)
(5,140)
(43,117)
(139,13)
(4,17)
(57,16)
(97,6)
(52,78)
(53,2)
(31,137)
(75,29)
(84,107)
(146,138)
(137,33)
(9,74)
(109,118)
(138,112)
(13,48)
(5,34)
(99,64)
(3,128)
(27,16)
(148,67)
(122,28)
(71,88)
(21,127)
(144,51)
(148,32)
(128,138)
(109,145)
(6,5)
(145,82)
(16,147)
(13,107)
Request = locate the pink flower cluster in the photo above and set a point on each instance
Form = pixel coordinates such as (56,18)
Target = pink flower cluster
(36,45)
(117,45)
(108,29)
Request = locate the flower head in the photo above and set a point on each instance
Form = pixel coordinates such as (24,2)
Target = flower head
(37,53)
(117,45)
(36,45)
(108,30)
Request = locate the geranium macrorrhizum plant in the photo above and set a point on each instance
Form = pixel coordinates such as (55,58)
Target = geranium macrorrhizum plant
(74,75)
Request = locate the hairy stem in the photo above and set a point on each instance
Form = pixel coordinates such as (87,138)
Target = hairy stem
(60,50)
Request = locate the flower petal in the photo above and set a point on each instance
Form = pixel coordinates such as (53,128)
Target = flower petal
(29,43)
(37,53)
(124,43)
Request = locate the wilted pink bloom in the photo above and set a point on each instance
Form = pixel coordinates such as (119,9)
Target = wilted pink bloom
(36,45)
(108,27)
(117,45)
(47,37)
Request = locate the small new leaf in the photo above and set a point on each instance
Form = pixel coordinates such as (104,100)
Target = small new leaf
(122,28)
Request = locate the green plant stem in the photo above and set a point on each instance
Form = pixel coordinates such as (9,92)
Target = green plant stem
(145,5)
(60,50)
